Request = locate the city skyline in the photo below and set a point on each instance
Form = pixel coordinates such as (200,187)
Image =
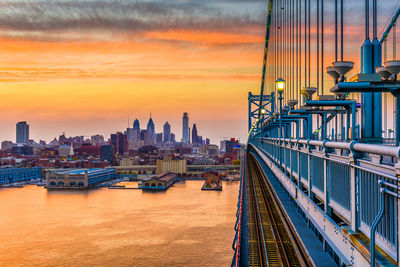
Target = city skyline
(131,126)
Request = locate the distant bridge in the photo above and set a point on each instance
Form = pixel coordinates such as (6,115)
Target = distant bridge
(320,177)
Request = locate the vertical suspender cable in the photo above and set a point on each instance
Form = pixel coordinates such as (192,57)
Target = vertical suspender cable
(300,51)
(341,30)
(336,39)
(309,43)
(305,42)
(297,51)
(284,43)
(374,18)
(394,41)
(366,19)
(317,47)
(291,50)
(385,95)
(265,59)
(322,47)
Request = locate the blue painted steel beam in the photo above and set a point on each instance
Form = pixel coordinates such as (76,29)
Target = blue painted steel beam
(392,22)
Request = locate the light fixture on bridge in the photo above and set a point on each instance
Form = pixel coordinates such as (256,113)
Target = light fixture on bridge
(342,67)
(292,103)
(263,111)
(307,92)
(384,73)
(392,66)
(280,85)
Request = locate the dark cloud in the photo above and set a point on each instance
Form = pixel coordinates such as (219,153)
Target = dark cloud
(49,17)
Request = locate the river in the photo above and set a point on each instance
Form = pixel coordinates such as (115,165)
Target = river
(183,226)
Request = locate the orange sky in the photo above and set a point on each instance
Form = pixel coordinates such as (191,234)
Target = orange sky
(60,87)
(83,67)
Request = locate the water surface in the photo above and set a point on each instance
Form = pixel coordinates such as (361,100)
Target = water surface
(183,226)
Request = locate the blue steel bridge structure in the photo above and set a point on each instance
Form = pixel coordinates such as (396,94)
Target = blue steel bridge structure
(320,172)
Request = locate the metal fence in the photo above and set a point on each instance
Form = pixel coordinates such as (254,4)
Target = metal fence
(347,185)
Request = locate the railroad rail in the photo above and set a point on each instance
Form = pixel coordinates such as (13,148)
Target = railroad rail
(271,240)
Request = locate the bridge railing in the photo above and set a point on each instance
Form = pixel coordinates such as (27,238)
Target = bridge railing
(344,179)
(238,244)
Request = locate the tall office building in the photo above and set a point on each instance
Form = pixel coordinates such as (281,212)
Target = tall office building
(185,128)
(167,132)
(120,143)
(22,132)
(136,126)
(194,135)
(151,128)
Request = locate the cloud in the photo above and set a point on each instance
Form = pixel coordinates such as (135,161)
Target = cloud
(39,19)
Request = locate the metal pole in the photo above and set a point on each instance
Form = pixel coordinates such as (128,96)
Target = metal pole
(280,126)
(376,222)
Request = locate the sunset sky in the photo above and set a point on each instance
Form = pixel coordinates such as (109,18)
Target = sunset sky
(84,66)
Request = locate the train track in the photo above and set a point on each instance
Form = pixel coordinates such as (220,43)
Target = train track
(271,239)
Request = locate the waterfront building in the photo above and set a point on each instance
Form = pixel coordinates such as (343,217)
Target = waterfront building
(78,179)
(22,132)
(194,135)
(12,175)
(185,128)
(167,132)
(161,181)
(168,164)
(107,153)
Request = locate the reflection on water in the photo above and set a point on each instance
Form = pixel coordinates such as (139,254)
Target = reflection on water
(183,226)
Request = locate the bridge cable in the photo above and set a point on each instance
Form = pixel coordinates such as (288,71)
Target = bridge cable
(265,59)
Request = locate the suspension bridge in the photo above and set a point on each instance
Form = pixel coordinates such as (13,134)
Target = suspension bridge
(320,175)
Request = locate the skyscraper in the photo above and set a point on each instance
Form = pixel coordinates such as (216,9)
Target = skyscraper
(151,128)
(136,125)
(167,132)
(185,128)
(194,135)
(120,143)
(22,132)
